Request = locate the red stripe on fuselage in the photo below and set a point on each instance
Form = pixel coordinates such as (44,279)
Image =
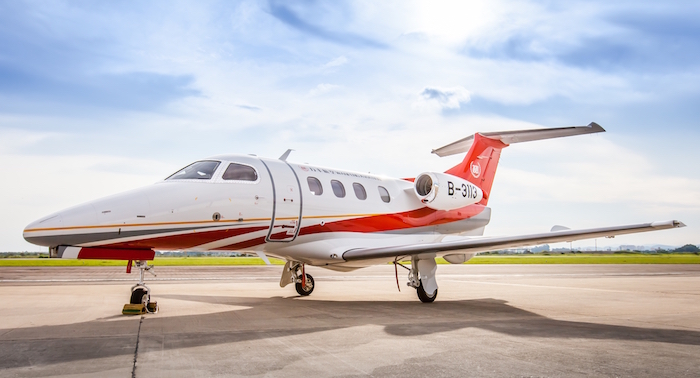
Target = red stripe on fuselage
(386,222)
(100,253)
(399,221)
(422,217)
(243,245)
(188,240)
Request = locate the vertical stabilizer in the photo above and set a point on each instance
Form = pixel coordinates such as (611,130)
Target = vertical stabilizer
(480,163)
(484,150)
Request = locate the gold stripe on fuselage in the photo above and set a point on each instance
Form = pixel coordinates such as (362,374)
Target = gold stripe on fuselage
(194,222)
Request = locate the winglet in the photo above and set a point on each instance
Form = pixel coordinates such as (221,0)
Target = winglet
(285,155)
(559,228)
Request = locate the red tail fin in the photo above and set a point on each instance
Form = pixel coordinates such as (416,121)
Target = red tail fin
(479,166)
(484,150)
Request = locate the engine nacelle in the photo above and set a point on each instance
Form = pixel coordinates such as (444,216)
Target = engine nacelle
(441,191)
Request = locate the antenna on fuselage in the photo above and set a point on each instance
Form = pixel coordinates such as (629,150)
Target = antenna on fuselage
(285,155)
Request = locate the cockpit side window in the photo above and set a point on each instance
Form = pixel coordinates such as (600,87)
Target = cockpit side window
(240,172)
(201,170)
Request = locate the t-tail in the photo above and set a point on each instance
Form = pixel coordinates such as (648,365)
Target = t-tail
(484,150)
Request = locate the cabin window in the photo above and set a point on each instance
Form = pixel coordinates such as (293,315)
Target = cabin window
(384,194)
(314,186)
(240,172)
(338,188)
(360,191)
(201,170)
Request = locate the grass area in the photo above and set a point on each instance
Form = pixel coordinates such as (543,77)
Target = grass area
(159,261)
(632,258)
(489,259)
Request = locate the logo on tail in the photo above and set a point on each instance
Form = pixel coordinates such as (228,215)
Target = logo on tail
(475,168)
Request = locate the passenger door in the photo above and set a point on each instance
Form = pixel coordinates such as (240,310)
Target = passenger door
(286,209)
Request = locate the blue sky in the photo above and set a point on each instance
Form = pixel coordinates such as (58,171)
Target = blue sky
(96,98)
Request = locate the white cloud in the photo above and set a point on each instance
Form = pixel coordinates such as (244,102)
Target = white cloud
(447,98)
(322,89)
(337,62)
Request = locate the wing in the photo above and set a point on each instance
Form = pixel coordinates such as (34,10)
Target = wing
(483,244)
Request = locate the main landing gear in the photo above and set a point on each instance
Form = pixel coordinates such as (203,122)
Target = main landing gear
(294,273)
(421,276)
(140,301)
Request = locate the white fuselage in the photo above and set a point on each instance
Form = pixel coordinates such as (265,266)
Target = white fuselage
(292,211)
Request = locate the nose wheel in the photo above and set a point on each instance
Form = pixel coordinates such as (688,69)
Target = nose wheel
(140,301)
(138,294)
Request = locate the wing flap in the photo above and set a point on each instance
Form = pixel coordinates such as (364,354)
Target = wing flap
(483,244)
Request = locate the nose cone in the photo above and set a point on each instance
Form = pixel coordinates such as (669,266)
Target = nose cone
(60,228)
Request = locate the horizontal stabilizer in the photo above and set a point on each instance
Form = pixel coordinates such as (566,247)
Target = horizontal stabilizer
(518,136)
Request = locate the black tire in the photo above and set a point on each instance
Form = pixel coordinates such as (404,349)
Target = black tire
(137,296)
(423,296)
(304,291)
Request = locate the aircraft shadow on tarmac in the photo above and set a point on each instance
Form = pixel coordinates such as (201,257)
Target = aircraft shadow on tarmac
(263,318)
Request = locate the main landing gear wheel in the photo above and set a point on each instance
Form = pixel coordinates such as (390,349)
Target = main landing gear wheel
(305,288)
(423,296)
(422,275)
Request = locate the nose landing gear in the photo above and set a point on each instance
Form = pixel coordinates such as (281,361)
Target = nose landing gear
(140,301)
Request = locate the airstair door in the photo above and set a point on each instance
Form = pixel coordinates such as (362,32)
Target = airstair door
(286,210)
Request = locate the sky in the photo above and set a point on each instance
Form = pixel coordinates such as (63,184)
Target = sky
(101,97)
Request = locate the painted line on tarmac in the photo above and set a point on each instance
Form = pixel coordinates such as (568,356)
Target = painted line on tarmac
(538,286)
(449,275)
(572,274)
(347,278)
(133,279)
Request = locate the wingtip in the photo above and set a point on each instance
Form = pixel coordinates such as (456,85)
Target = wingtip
(668,224)
(596,127)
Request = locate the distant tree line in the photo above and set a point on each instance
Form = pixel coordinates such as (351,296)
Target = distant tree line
(687,248)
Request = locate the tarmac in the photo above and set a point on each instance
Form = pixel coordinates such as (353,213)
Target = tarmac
(488,320)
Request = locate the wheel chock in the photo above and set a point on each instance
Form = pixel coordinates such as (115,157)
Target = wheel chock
(134,309)
(152,307)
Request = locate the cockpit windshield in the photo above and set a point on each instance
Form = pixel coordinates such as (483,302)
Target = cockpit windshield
(201,170)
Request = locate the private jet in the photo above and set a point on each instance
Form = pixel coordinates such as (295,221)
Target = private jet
(306,214)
